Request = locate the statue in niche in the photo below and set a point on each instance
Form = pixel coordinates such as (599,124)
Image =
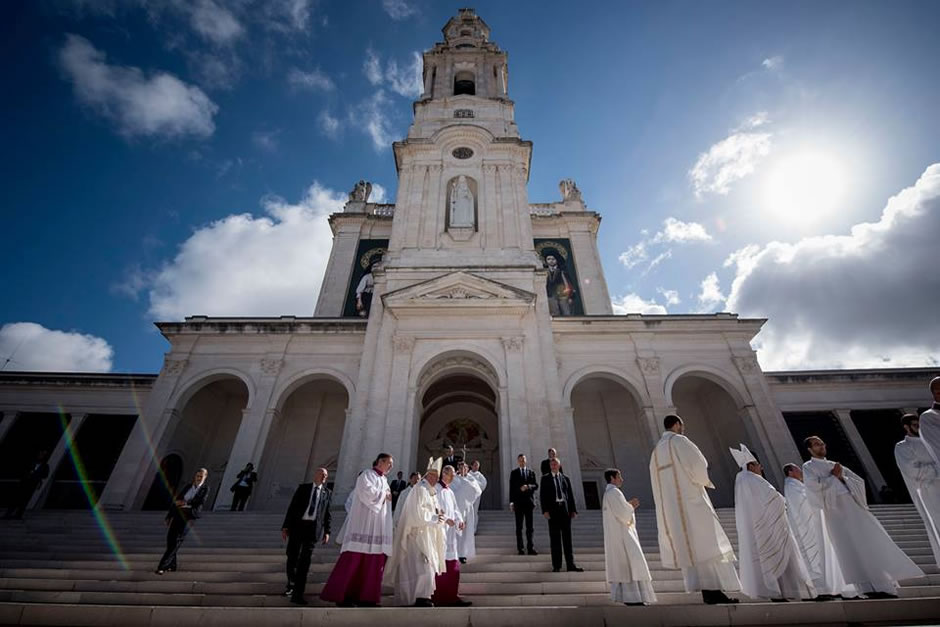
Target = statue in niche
(569,190)
(558,288)
(461,203)
(361,191)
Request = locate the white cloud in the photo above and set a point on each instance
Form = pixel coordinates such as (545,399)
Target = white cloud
(661,257)
(330,125)
(286,15)
(216,23)
(728,161)
(773,63)
(404,80)
(635,255)
(398,9)
(678,231)
(868,298)
(315,79)
(633,303)
(251,266)
(31,346)
(671,296)
(371,115)
(159,105)
(265,140)
(710,293)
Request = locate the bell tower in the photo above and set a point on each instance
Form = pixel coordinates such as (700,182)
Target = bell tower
(463,167)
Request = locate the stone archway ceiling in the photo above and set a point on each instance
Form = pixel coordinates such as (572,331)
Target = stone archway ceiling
(466,384)
(458,398)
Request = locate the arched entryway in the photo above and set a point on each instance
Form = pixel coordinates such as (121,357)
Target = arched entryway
(611,431)
(712,418)
(205,429)
(460,409)
(306,434)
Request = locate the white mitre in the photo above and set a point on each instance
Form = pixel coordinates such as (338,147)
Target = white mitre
(435,465)
(742,457)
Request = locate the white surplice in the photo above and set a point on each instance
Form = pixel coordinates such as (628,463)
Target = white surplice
(396,513)
(624,563)
(447,503)
(930,431)
(922,477)
(418,555)
(870,560)
(690,534)
(481,479)
(369,521)
(467,493)
(809,530)
(769,559)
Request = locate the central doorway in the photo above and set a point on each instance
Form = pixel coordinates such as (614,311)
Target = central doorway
(461,410)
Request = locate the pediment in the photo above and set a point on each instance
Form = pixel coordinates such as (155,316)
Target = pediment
(459,289)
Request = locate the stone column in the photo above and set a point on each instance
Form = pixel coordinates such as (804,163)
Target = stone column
(398,420)
(9,417)
(340,266)
(252,431)
(658,407)
(868,462)
(58,457)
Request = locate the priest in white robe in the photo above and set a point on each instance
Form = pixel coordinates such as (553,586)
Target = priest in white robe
(356,578)
(627,572)
(420,542)
(922,477)
(467,492)
(930,422)
(769,560)
(447,583)
(807,524)
(690,535)
(481,479)
(870,560)
(413,479)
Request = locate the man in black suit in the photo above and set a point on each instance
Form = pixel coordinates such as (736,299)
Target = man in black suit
(397,486)
(184,510)
(522,487)
(545,466)
(306,523)
(449,458)
(559,508)
(30,481)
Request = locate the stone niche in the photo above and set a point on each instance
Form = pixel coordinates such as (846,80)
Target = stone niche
(462,207)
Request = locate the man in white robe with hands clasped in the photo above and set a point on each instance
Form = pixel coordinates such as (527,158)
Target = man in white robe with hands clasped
(627,572)
(768,557)
(922,477)
(870,560)
(690,534)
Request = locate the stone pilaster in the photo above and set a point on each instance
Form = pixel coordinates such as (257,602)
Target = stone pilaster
(340,266)
(864,455)
(58,456)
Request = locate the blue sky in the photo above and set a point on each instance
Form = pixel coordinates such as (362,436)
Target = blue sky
(173,158)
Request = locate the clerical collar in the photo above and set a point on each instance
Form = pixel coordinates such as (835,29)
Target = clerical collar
(444,485)
(935,405)
(377,471)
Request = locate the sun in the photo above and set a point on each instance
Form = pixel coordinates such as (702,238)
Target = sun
(804,187)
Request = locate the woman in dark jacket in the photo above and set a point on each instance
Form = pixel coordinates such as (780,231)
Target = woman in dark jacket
(242,487)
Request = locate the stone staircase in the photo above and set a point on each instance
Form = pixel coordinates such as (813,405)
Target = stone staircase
(56,568)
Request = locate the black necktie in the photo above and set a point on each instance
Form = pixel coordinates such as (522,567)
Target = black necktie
(313,502)
(558,495)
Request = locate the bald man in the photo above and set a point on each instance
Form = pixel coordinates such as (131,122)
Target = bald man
(306,523)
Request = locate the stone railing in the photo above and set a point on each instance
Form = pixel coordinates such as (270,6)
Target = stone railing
(543,209)
(387,210)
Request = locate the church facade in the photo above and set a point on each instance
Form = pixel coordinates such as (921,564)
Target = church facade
(461,314)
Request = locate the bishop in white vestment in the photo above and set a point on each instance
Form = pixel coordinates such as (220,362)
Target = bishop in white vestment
(690,534)
(922,477)
(769,560)
(467,492)
(807,524)
(930,422)
(870,560)
(420,542)
(624,563)
(356,579)
(481,479)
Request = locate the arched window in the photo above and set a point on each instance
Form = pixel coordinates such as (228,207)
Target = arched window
(464,84)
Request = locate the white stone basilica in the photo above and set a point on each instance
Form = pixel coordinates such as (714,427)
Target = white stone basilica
(471,339)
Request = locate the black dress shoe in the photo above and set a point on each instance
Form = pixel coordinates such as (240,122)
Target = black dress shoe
(635,604)
(714,597)
(555,570)
(575,569)
(423,603)
(780,600)
(462,560)
(521,552)
(366,604)
(345,604)
(533,552)
(462,603)
(298,600)
(880,595)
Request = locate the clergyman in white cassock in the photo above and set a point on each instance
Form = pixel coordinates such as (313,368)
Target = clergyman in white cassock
(447,583)
(930,422)
(690,534)
(922,477)
(870,560)
(627,572)
(807,524)
(481,479)
(467,493)
(420,542)
(769,559)
(412,481)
